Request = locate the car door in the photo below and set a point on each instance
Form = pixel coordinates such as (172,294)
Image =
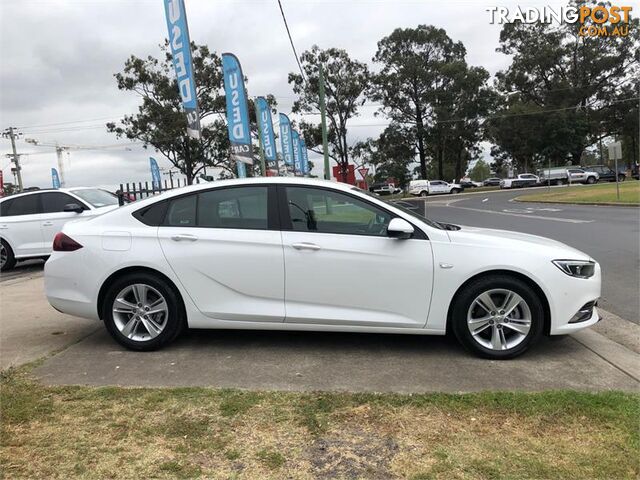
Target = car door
(20,225)
(225,247)
(53,215)
(342,268)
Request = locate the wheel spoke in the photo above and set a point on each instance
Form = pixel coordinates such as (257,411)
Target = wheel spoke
(140,293)
(129,329)
(486,302)
(120,305)
(522,328)
(479,326)
(152,327)
(495,338)
(158,307)
(511,301)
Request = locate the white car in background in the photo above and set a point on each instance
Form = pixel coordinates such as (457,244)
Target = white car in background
(522,180)
(285,253)
(433,187)
(30,220)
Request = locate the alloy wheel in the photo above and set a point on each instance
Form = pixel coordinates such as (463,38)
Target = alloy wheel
(140,312)
(499,319)
(3,255)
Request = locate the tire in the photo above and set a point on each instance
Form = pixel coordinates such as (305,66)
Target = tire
(147,331)
(621,178)
(591,180)
(424,193)
(7,258)
(455,190)
(520,329)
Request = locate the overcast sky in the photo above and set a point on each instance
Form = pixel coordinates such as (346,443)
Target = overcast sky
(59,57)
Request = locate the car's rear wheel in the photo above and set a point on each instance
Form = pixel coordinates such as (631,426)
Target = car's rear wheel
(424,193)
(7,259)
(621,178)
(497,317)
(591,180)
(455,190)
(143,312)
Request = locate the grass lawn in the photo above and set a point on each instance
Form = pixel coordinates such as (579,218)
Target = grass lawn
(599,193)
(64,432)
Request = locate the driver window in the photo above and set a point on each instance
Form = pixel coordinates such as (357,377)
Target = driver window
(325,211)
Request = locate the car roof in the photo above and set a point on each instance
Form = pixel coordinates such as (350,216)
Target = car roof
(48,190)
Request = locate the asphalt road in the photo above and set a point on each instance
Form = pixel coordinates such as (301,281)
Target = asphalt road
(611,235)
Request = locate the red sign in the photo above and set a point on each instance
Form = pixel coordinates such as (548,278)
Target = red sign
(350,175)
(363,171)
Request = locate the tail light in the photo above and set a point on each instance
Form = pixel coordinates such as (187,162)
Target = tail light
(64,243)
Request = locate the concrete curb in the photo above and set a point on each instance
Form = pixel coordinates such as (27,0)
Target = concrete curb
(592,204)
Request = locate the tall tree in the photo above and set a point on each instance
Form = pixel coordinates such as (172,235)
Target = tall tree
(160,122)
(345,80)
(411,61)
(566,80)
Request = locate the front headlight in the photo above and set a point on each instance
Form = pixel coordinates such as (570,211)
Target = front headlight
(576,268)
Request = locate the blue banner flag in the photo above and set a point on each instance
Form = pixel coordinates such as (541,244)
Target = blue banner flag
(182,62)
(286,140)
(55,179)
(268,139)
(297,158)
(155,173)
(305,156)
(237,110)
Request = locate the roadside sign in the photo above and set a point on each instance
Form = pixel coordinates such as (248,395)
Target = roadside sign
(615,151)
(363,171)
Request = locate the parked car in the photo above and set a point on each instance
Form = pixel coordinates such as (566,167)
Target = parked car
(433,187)
(564,175)
(522,180)
(30,220)
(469,184)
(606,174)
(491,182)
(280,253)
(382,188)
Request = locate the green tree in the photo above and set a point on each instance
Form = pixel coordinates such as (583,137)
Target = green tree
(480,171)
(565,82)
(345,81)
(160,122)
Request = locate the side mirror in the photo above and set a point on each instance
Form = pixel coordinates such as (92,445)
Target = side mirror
(399,228)
(73,207)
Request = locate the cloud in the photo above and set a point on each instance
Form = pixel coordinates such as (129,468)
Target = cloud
(59,59)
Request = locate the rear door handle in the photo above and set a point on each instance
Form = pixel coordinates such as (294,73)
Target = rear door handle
(306,246)
(47,224)
(184,236)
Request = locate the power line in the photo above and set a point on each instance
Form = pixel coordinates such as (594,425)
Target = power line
(295,54)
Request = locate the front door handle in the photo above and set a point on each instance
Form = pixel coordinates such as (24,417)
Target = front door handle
(306,246)
(184,236)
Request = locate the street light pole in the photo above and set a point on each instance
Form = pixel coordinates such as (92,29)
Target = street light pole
(11,133)
(323,119)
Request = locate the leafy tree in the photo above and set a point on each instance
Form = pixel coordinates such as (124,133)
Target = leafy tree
(160,122)
(558,89)
(345,80)
(480,171)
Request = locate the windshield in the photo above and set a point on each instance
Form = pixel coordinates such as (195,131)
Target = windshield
(398,204)
(96,197)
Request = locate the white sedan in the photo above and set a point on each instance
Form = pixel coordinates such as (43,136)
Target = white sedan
(29,221)
(301,254)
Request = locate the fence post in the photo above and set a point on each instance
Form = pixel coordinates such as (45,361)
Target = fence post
(146,188)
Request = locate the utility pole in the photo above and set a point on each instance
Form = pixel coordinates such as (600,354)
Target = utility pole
(11,134)
(59,152)
(323,117)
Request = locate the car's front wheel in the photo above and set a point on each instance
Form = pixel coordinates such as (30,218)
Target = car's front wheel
(7,259)
(497,317)
(143,312)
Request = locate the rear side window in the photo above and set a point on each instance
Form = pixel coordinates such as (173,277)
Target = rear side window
(182,212)
(244,208)
(27,205)
(153,215)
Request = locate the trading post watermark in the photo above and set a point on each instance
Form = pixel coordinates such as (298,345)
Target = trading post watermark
(595,21)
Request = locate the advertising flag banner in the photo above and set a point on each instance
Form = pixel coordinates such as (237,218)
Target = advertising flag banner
(305,156)
(55,179)
(237,110)
(268,138)
(155,173)
(182,62)
(286,140)
(297,160)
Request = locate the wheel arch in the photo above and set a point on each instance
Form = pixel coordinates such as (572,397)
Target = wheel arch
(104,288)
(528,280)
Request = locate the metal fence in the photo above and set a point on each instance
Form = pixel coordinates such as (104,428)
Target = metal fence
(131,192)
